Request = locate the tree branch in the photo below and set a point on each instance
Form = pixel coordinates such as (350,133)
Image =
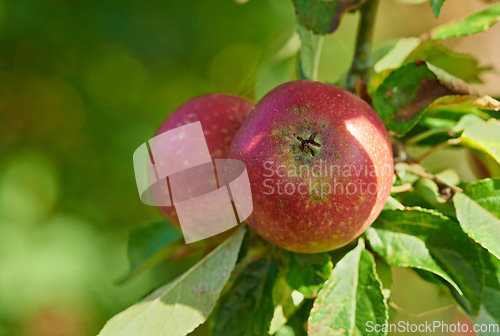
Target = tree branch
(362,64)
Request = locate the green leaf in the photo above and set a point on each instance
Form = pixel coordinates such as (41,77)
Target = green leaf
(378,52)
(285,331)
(376,80)
(298,321)
(323,17)
(487,194)
(429,191)
(459,65)
(286,302)
(466,121)
(149,245)
(397,56)
(436,6)
(485,137)
(454,84)
(351,298)
(478,211)
(492,281)
(402,96)
(410,91)
(485,165)
(455,113)
(393,204)
(412,49)
(248,307)
(430,241)
(309,54)
(308,272)
(489,314)
(476,23)
(179,307)
(464,104)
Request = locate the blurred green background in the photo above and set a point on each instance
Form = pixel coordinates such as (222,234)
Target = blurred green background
(82,85)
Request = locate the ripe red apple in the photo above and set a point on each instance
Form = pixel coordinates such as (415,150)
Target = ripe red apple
(221,115)
(320,165)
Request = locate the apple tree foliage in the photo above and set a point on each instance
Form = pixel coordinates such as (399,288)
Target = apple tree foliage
(445,229)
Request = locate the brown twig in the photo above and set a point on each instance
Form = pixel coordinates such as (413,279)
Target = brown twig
(424,314)
(418,170)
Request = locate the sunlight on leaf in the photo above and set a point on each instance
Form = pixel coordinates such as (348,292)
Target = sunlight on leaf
(476,23)
(350,299)
(248,307)
(485,137)
(478,211)
(310,51)
(308,272)
(286,302)
(427,240)
(397,56)
(460,65)
(179,307)
(454,84)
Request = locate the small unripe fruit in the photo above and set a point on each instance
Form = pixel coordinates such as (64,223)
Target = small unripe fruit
(320,165)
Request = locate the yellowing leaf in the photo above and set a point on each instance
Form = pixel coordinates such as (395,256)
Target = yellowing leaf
(485,137)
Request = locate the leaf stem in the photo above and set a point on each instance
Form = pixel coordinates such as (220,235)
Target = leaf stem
(317,54)
(401,188)
(362,63)
(426,134)
(309,54)
(450,142)
(419,170)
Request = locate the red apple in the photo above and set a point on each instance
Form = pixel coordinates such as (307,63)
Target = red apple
(463,325)
(320,165)
(221,115)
